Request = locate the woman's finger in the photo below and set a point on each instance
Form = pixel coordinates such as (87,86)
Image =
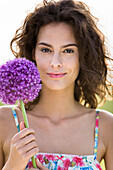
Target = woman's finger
(22,125)
(25,141)
(23,133)
(28,147)
(40,165)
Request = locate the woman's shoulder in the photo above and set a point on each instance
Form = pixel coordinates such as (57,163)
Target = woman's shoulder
(106,117)
(105,120)
(106,133)
(106,126)
(6,112)
(7,118)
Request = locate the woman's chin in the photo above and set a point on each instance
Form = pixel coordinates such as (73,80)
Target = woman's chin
(56,87)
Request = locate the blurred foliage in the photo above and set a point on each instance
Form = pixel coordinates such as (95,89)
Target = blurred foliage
(108,106)
(1,103)
(102,165)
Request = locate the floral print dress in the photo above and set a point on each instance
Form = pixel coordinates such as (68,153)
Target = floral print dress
(67,162)
(54,161)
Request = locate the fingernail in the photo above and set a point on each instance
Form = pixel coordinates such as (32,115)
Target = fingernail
(36,159)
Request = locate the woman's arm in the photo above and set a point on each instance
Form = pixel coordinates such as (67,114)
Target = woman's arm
(2,123)
(108,138)
(1,153)
(15,148)
(39,165)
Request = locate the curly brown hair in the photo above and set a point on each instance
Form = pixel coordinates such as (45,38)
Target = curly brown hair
(91,82)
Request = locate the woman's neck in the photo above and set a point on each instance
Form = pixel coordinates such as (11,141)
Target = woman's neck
(57,105)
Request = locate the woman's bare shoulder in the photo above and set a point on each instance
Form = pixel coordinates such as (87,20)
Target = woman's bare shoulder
(6,112)
(106,117)
(106,125)
(6,118)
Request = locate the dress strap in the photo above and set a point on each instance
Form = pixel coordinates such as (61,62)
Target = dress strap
(15,118)
(96,134)
(17,123)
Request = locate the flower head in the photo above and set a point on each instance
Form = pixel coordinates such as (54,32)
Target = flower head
(19,80)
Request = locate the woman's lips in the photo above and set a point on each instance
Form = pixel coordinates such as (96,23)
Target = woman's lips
(58,75)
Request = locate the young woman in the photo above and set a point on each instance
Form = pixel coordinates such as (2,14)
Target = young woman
(66,130)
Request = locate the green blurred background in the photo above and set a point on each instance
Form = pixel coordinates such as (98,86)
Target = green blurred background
(107,106)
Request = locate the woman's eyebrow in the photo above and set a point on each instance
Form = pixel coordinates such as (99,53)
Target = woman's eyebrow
(67,45)
(70,45)
(42,43)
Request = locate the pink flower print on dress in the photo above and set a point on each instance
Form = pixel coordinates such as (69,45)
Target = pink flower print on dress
(66,164)
(30,164)
(60,168)
(50,157)
(40,157)
(98,166)
(78,161)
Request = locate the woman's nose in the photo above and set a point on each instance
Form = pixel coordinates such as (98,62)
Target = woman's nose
(56,61)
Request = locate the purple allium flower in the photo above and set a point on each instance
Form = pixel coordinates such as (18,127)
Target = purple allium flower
(19,80)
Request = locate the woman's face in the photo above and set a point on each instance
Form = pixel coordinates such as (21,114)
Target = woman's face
(56,55)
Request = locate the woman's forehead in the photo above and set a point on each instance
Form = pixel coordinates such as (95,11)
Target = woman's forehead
(58,32)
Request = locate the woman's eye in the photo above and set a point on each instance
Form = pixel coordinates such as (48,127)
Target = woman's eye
(45,50)
(68,51)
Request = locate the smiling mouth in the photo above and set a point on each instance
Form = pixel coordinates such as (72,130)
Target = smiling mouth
(52,75)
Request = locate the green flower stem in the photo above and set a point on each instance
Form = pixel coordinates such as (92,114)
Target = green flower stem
(27,126)
(24,114)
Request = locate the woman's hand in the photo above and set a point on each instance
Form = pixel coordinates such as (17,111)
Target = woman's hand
(39,166)
(23,147)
